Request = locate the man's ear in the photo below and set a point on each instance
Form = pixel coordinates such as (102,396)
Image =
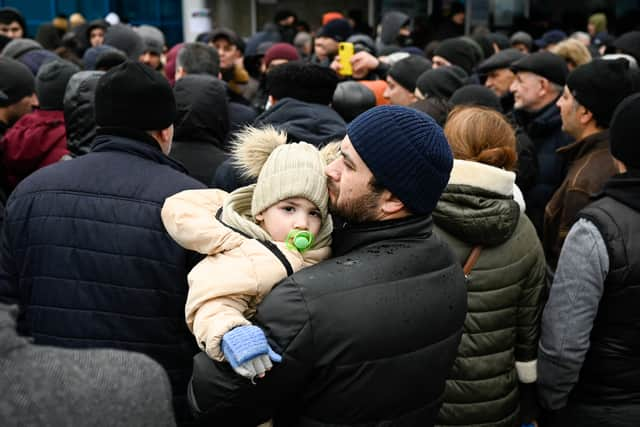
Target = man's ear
(167,135)
(390,205)
(164,138)
(586,116)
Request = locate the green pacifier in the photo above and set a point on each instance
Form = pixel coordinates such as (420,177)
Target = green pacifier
(299,240)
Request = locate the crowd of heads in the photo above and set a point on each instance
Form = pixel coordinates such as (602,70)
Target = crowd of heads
(587,73)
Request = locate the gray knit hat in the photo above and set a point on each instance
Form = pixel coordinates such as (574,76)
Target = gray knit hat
(123,37)
(152,37)
(16,81)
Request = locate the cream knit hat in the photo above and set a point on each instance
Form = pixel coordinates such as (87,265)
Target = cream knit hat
(283,170)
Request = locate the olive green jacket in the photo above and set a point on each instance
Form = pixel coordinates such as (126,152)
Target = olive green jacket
(505,296)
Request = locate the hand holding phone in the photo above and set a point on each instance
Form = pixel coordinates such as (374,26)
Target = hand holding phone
(345,53)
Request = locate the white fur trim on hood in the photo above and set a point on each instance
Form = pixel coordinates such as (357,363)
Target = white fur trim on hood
(483,176)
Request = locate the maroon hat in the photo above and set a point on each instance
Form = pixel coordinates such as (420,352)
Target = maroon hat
(280,51)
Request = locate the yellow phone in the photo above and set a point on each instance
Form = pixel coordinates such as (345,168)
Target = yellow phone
(345,52)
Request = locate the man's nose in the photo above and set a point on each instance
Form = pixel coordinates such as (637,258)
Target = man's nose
(332,170)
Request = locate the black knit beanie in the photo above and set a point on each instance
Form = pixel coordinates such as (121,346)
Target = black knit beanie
(338,30)
(132,95)
(458,52)
(441,82)
(406,71)
(16,81)
(302,81)
(51,83)
(599,86)
(624,131)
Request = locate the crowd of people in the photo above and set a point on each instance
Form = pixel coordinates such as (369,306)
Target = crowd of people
(243,232)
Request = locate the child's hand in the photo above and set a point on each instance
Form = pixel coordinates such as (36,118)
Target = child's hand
(248,352)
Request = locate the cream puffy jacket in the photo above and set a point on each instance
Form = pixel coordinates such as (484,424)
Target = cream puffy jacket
(227,285)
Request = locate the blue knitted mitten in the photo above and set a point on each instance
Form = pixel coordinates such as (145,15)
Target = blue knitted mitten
(244,343)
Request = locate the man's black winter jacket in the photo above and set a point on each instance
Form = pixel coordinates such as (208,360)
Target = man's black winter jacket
(367,337)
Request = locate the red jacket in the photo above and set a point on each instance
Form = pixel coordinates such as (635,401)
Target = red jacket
(36,140)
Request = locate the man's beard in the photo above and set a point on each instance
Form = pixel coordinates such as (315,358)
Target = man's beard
(363,209)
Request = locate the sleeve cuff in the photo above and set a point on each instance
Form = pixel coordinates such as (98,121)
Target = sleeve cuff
(527,371)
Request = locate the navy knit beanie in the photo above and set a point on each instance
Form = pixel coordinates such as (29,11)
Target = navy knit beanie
(407,153)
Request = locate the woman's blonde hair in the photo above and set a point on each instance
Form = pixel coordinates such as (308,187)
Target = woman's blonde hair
(573,52)
(481,135)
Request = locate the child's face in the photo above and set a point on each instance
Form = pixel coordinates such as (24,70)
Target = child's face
(289,214)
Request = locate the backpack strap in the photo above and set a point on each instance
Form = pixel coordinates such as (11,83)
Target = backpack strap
(267,244)
(471,261)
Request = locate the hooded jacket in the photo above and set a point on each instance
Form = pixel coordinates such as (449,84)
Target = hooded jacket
(226,287)
(36,140)
(79,117)
(202,125)
(505,296)
(49,386)
(390,26)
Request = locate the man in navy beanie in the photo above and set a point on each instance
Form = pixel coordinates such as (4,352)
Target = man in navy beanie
(84,252)
(369,336)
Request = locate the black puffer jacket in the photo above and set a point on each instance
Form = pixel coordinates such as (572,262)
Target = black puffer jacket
(367,337)
(202,125)
(79,118)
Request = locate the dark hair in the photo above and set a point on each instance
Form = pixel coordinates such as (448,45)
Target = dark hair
(10,14)
(198,58)
(281,15)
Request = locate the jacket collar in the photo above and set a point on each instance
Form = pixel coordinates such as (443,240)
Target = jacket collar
(578,149)
(540,122)
(353,236)
(625,188)
(133,141)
